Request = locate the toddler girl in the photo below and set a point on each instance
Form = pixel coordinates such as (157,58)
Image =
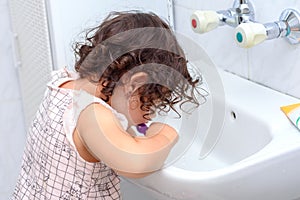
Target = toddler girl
(129,68)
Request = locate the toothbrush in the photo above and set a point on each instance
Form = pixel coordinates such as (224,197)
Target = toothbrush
(142,128)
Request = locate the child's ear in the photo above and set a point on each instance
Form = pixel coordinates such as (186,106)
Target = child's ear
(136,80)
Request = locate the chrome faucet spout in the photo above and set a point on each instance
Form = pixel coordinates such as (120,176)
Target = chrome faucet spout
(242,11)
(243,1)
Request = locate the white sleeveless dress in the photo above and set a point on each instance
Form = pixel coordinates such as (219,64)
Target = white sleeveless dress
(51,167)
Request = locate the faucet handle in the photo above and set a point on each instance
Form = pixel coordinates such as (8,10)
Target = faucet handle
(204,21)
(250,34)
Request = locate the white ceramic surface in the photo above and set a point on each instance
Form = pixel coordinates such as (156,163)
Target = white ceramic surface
(256,157)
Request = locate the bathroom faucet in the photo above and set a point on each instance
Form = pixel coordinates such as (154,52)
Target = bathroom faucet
(248,32)
(241,12)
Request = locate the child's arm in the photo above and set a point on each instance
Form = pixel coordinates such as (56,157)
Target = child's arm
(103,136)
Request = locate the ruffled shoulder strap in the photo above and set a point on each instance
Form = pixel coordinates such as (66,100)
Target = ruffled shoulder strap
(80,100)
(60,76)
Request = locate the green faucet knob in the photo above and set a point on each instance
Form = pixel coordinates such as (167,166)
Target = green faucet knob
(250,34)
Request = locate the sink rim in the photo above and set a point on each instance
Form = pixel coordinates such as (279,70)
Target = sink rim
(254,170)
(278,124)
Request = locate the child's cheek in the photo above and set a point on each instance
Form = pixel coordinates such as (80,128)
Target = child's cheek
(136,116)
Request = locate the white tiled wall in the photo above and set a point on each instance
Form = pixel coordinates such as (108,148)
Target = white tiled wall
(12,134)
(274,63)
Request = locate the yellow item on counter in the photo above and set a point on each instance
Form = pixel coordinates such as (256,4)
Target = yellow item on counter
(293,113)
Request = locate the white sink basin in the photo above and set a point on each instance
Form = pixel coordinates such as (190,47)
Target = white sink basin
(257,155)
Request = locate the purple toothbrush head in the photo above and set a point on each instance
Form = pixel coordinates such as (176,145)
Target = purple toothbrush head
(142,128)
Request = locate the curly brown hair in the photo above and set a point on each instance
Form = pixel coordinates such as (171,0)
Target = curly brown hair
(128,42)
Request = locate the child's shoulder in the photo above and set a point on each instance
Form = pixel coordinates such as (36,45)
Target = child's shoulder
(103,112)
